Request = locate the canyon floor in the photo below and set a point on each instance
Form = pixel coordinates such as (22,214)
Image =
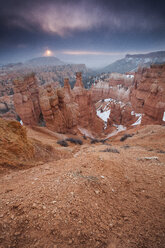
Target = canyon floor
(90,196)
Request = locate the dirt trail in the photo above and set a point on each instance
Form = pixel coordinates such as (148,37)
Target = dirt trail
(104,195)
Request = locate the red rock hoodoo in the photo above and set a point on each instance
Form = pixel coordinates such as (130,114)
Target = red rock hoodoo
(121,115)
(148,93)
(115,87)
(64,110)
(26,100)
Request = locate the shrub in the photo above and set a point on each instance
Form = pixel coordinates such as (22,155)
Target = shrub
(75,141)
(126,146)
(93,141)
(62,143)
(161,151)
(111,150)
(125,136)
(103,141)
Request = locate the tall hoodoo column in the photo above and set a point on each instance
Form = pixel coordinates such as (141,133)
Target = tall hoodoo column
(26,99)
(79,82)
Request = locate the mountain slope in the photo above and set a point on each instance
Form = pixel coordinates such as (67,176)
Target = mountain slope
(96,198)
(132,62)
(44,61)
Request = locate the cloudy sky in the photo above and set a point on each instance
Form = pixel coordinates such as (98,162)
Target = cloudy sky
(95,32)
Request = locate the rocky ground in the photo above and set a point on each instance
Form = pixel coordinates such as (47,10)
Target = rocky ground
(108,195)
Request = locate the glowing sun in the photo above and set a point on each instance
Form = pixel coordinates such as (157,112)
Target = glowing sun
(48,53)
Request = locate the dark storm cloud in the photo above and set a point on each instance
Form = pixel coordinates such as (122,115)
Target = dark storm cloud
(98,25)
(64,17)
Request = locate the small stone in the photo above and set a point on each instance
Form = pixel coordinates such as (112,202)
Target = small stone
(113,190)
(53,202)
(34,205)
(97,192)
(70,242)
(12,216)
(44,207)
(17,233)
(102,176)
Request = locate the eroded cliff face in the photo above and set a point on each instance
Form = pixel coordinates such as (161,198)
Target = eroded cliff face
(59,111)
(7,110)
(87,113)
(63,110)
(148,94)
(73,111)
(115,87)
(26,100)
(121,115)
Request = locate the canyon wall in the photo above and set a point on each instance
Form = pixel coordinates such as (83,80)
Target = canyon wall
(26,99)
(115,87)
(148,93)
(62,110)
(7,109)
(67,110)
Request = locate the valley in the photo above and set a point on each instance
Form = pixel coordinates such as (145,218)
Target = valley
(83,166)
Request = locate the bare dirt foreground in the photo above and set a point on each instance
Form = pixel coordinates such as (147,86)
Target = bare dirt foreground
(95,195)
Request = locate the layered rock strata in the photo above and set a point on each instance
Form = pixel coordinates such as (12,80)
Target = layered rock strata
(26,100)
(63,110)
(104,90)
(148,94)
(7,110)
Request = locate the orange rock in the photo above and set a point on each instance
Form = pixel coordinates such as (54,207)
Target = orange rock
(26,100)
(103,90)
(63,110)
(121,115)
(148,94)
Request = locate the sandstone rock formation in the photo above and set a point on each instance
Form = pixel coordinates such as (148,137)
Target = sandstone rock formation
(7,109)
(87,118)
(59,115)
(63,110)
(148,93)
(26,100)
(111,88)
(121,115)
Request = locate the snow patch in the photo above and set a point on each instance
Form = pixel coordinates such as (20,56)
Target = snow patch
(104,116)
(119,128)
(86,132)
(163,117)
(108,100)
(114,101)
(138,122)
(130,76)
(146,60)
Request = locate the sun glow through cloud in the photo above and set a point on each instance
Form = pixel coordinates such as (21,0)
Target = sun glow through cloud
(48,53)
(69,52)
